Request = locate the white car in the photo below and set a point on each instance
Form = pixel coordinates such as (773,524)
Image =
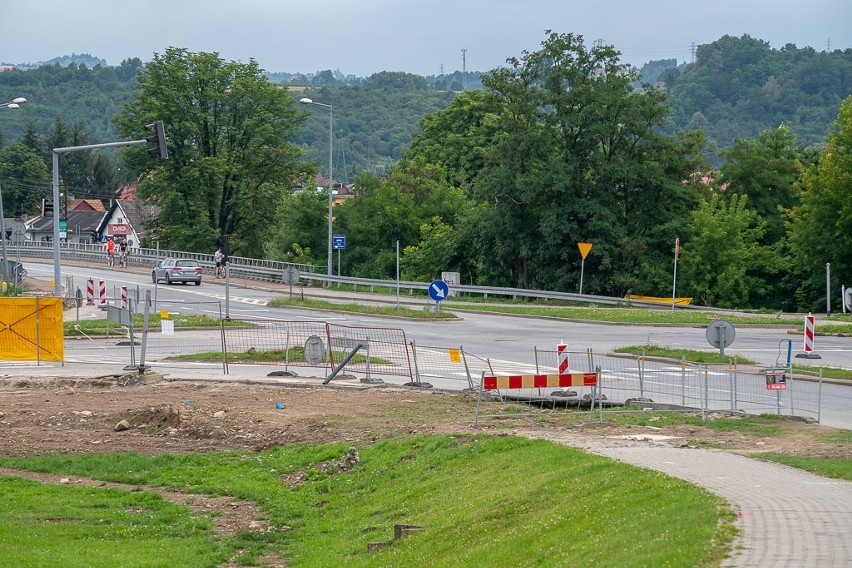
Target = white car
(181,270)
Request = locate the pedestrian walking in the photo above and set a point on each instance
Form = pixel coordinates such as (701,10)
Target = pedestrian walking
(219,259)
(110,252)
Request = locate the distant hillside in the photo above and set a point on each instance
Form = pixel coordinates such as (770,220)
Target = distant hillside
(736,87)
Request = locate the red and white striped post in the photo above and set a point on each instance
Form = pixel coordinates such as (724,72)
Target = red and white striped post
(102,300)
(124,297)
(90,292)
(562,356)
(809,333)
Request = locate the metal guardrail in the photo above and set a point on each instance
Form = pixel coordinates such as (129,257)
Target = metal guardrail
(274,271)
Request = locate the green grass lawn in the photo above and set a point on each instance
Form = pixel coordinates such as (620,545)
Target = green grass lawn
(427,312)
(628,315)
(43,524)
(839,468)
(100,327)
(690,355)
(484,500)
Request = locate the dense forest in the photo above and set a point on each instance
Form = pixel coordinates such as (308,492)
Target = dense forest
(741,155)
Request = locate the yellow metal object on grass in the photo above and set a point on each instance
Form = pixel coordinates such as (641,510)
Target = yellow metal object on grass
(677,301)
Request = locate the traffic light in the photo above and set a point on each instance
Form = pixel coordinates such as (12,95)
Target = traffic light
(158,139)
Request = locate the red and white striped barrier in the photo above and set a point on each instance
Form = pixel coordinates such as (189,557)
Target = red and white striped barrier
(561,380)
(809,333)
(562,356)
(102,300)
(90,292)
(124,297)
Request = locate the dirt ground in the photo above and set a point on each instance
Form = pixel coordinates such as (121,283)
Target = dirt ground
(47,415)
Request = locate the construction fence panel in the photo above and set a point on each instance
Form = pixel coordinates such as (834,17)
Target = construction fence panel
(173,338)
(747,388)
(447,367)
(381,350)
(279,343)
(318,345)
(723,387)
(182,334)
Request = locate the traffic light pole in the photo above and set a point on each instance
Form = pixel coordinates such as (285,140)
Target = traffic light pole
(57,273)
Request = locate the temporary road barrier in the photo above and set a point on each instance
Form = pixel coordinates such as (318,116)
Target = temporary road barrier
(809,333)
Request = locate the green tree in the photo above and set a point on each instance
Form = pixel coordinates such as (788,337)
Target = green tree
(24,179)
(302,229)
(723,257)
(457,137)
(230,157)
(767,170)
(578,158)
(821,227)
(387,210)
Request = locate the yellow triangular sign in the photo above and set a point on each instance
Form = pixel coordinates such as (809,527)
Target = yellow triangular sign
(584,249)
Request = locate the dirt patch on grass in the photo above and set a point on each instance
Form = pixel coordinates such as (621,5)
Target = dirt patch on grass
(43,415)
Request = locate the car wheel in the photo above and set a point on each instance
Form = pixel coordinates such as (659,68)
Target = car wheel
(168,279)
(198,282)
(154,277)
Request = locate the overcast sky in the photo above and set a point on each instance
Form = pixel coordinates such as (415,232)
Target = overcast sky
(362,37)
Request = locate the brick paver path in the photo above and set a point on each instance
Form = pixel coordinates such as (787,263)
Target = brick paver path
(787,517)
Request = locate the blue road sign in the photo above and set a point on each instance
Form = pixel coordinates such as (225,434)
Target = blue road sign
(438,290)
(338,242)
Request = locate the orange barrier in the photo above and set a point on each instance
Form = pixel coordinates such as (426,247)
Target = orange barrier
(540,381)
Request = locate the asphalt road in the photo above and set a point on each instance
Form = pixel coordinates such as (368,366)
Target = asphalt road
(502,337)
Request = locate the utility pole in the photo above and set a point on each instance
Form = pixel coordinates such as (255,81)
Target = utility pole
(464,60)
(692,51)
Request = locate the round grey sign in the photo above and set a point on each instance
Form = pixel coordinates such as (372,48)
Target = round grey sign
(721,333)
(291,275)
(314,350)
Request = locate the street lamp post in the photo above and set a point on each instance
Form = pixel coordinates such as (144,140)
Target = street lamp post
(307,101)
(12,105)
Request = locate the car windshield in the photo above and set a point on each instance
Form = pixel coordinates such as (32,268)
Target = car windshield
(186,263)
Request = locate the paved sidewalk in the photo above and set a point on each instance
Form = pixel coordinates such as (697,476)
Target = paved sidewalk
(787,517)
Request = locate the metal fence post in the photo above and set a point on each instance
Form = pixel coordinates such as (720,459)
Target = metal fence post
(466,368)
(732,373)
(145,322)
(640,362)
(367,343)
(223,342)
(478,400)
(682,380)
(790,387)
(819,396)
(704,395)
(414,356)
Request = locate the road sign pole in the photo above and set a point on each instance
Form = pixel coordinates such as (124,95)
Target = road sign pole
(582,270)
(674,276)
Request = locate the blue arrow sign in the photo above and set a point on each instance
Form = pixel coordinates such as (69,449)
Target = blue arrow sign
(338,242)
(438,290)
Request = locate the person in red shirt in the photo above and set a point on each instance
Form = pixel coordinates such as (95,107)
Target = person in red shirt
(110,252)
